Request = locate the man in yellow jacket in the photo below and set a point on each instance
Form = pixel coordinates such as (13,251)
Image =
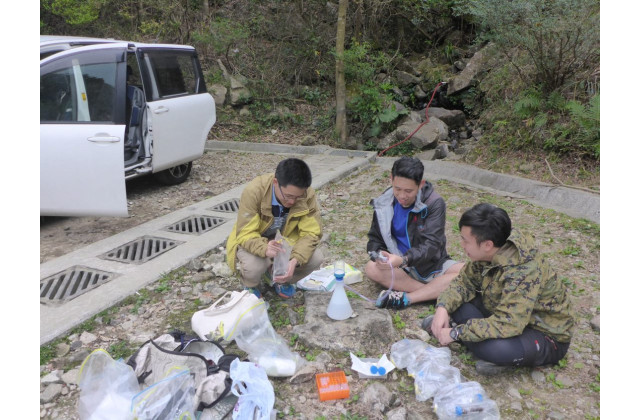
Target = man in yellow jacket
(282,202)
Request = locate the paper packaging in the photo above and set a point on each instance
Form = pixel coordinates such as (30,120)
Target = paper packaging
(363,366)
(323,280)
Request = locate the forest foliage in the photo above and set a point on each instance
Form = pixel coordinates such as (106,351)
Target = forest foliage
(542,95)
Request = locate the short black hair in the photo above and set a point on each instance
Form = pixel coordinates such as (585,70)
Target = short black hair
(295,172)
(408,167)
(487,222)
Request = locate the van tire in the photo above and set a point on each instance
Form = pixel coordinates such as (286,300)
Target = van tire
(174,176)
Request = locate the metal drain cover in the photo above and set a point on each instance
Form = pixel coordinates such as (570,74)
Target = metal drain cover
(141,250)
(71,283)
(230,206)
(195,225)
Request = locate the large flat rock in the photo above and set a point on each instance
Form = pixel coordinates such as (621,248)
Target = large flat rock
(371,331)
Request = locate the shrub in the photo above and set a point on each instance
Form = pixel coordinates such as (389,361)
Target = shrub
(560,37)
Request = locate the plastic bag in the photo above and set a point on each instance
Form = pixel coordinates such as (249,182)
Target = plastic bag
(106,388)
(172,398)
(432,377)
(281,260)
(256,336)
(464,400)
(254,390)
(405,352)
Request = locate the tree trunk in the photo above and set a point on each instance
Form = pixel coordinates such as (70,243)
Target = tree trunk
(341,95)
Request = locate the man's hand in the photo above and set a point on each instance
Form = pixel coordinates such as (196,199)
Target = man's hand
(273,247)
(292,267)
(396,260)
(440,325)
(444,336)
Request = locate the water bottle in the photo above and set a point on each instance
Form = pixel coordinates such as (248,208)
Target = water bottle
(339,307)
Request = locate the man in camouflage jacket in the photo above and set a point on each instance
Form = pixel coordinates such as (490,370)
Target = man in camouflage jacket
(508,305)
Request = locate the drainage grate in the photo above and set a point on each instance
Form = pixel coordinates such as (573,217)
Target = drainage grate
(71,283)
(230,206)
(195,224)
(141,250)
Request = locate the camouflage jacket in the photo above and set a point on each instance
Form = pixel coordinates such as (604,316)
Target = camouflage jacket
(520,290)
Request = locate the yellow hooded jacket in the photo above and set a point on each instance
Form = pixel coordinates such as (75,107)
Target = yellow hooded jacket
(303,228)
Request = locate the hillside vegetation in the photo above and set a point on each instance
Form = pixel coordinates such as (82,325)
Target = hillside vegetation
(538,103)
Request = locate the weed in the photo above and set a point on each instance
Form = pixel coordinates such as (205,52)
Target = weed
(571,250)
(292,340)
(403,387)
(562,363)
(48,351)
(525,391)
(354,398)
(141,297)
(551,377)
(466,358)
(120,350)
(397,321)
(430,311)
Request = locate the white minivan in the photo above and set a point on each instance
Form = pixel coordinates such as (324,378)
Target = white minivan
(114,110)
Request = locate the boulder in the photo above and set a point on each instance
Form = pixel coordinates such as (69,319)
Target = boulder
(452,118)
(427,137)
(239,94)
(469,75)
(219,93)
(406,79)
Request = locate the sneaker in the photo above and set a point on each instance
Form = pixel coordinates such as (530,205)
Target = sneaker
(393,299)
(490,369)
(285,291)
(255,291)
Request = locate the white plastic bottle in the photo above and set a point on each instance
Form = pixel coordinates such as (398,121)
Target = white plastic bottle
(339,307)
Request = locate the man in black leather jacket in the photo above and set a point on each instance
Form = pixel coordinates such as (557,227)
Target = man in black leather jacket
(408,232)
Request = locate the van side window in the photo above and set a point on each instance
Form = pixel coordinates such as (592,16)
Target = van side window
(79,93)
(174,73)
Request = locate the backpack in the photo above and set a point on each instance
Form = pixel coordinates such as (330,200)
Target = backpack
(206,360)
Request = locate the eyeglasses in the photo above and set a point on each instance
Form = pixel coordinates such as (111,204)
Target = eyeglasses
(289,197)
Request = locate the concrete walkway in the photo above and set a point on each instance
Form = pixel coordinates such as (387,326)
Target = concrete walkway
(327,165)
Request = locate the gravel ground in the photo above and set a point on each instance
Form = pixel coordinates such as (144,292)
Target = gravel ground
(567,391)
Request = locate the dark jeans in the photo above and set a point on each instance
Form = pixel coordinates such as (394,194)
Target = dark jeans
(531,348)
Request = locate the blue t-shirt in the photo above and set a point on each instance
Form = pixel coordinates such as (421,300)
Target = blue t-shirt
(399,226)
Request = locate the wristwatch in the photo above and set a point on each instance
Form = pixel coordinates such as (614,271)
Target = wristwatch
(455,333)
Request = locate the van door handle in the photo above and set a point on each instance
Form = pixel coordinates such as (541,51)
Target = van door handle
(161,110)
(99,138)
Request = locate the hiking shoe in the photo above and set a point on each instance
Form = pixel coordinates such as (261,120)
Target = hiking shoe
(255,291)
(426,323)
(393,299)
(285,291)
(490,369)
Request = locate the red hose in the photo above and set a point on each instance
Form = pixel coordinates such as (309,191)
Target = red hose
(426,114)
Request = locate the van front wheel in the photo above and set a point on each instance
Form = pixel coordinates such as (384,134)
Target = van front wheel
(174,176)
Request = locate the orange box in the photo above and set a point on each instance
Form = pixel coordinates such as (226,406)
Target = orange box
(332,386)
